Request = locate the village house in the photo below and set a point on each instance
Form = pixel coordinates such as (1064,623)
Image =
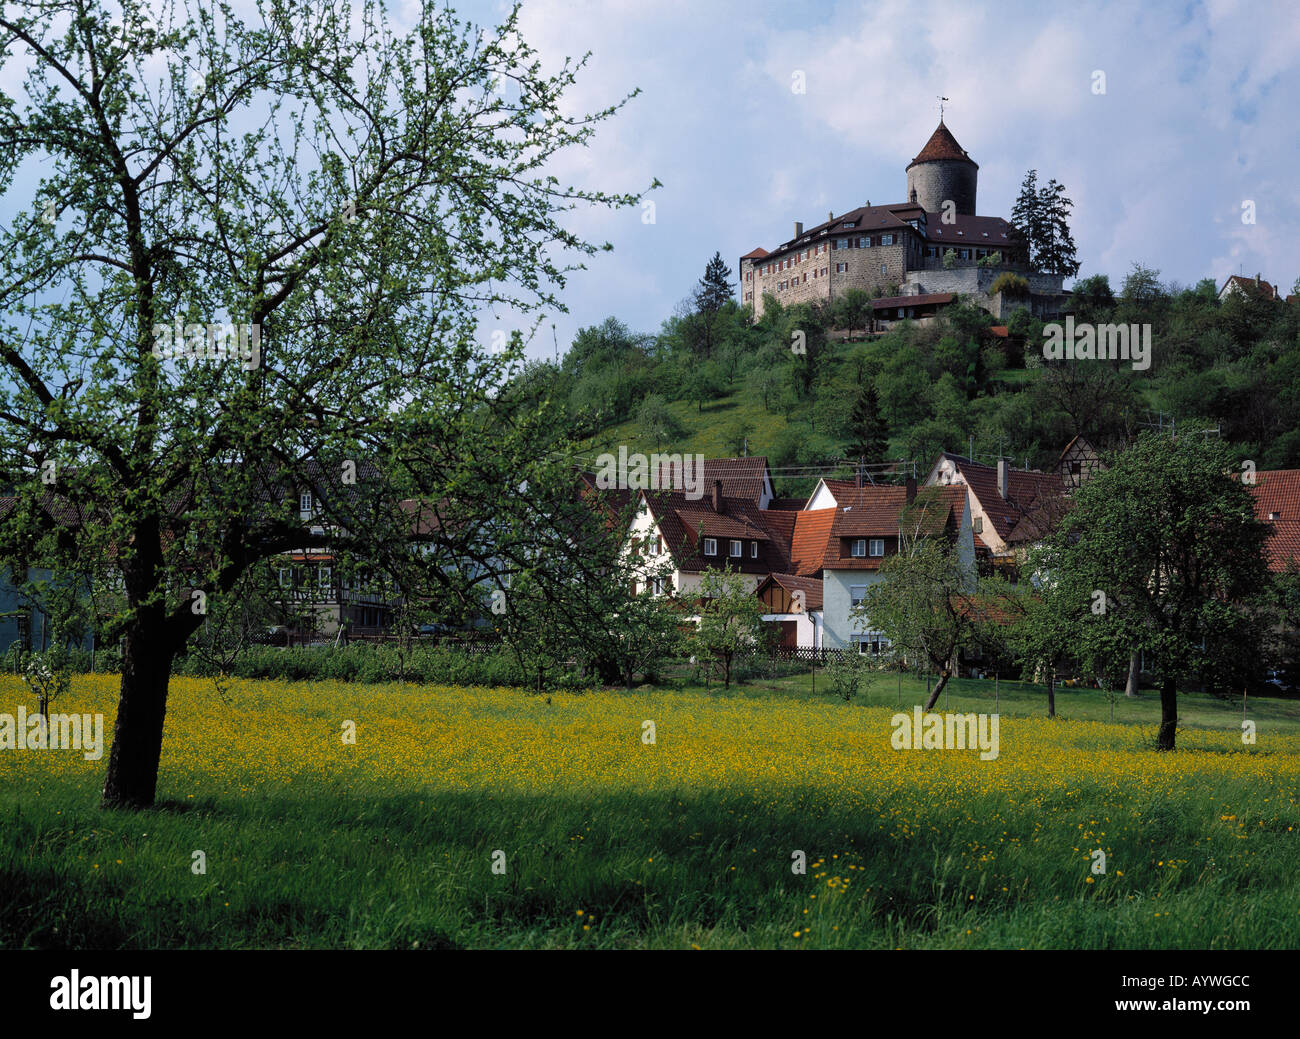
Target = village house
(1010,508)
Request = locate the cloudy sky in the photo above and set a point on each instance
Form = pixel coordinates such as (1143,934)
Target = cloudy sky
(1199,115)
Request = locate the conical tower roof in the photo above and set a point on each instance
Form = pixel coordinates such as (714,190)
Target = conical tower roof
(941,146)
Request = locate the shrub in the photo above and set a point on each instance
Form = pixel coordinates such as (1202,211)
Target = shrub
(1010,284)
(849,674)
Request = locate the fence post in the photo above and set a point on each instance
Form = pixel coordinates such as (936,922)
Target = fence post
(995,692)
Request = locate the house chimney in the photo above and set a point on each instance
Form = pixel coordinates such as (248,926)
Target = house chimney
(911,489)
(830,217)
(1004,475)
(717,496)
(798,228)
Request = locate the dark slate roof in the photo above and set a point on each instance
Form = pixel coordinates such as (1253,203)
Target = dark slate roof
(685,523)
(1027,494)
(924,299)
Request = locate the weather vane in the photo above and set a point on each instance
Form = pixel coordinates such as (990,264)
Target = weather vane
(941,101)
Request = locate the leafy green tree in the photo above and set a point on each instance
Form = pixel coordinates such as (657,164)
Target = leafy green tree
(731,620)
(607,622)
(656,421)
(346,204)
(853,310)
(1160,552)
(704,382)
(764,381)
(921,601)
(736,437)
(1092,297)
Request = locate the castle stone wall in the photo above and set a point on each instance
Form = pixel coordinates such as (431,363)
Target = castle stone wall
(935,182)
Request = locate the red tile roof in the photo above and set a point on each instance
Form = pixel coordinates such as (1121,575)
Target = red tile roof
(1277,491)
(942,145)
(755,254)
(812,530)
(869,512)
(1269,291)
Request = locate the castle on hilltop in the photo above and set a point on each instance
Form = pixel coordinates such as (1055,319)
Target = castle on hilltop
(904,244)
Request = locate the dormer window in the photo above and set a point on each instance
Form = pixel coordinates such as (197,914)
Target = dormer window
(710,546)
(737,548)
(859,549)
(753,550)
(877,547)
(304,502)
(1275,515)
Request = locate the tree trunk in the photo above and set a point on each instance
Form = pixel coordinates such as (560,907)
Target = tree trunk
(1168,714)
(1134,665)
(1051,694)
(132,778)
(944,675)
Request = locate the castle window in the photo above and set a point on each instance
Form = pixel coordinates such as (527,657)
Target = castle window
(884,268)
(805,276)
(864,243)
(850,224)
(886,239)
(841,268)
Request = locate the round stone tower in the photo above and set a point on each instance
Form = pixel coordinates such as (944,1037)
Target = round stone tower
(942,170)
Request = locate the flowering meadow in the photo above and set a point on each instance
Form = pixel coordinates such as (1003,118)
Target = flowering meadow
(389,816)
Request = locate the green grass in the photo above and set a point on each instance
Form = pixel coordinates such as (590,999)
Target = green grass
(686,842)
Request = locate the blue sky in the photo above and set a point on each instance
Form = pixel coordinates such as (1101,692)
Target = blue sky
(1199,115)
